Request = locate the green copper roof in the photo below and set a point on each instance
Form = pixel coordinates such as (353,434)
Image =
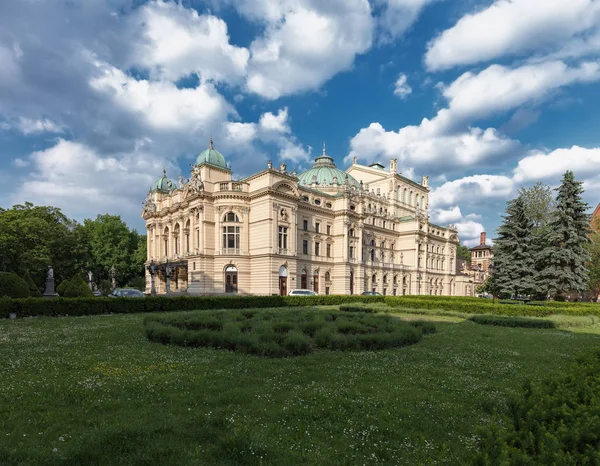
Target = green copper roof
(212,156)
(163,184)
(324,171)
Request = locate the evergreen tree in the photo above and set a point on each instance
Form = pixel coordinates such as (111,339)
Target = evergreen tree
(513,269)
(562,259)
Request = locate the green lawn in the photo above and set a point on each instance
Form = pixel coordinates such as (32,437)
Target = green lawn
(93,390)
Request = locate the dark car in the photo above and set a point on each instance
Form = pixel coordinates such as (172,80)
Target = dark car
(370,293)
(126,293)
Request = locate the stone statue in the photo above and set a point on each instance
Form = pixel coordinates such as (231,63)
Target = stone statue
(90,278)
(50,273)
(196,183)
(49,289)
(180,183)
(149,205)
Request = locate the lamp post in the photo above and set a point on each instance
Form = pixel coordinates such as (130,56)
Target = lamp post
(167,278)
(419,284)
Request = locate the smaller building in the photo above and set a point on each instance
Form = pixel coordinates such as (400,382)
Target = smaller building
(481,255)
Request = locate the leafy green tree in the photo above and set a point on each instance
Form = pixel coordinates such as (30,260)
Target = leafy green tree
(33,237)
(539,203)
(112,243)
(563,257)
(33,288)
(463,252)
(513,268)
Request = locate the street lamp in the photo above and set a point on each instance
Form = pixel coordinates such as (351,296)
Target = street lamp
(167,277)
(152,270)
(419,284)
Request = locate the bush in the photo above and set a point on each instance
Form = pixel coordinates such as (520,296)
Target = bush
(13,286)
(60,289)
(512,321)
(78,288)
(555,422)
(283,333)
(34,292)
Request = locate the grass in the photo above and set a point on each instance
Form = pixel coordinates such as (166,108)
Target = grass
(94,390)
(284,332)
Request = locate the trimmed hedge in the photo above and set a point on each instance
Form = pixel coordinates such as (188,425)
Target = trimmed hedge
(34,292)
(13,286)
(105,305)
(90,306)
(503,321)
(60,289)
(78,288)
(553,422)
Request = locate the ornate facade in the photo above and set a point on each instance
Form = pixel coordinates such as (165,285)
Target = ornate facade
(328,230)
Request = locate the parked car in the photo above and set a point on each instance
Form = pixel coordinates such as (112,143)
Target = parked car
(97,293)
(370,293)
(302,292)
(126,293)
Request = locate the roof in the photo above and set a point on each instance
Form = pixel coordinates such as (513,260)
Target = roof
(325,173)
(212,157)
(480,247)
(163,184)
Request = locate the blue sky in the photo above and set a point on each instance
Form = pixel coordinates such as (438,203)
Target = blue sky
(96,97)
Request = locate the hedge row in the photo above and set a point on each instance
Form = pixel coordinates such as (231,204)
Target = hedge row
(90,306)
(512,321)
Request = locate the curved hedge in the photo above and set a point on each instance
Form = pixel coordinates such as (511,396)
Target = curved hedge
(60,289)
(78,288)
(283,333)
(13,286)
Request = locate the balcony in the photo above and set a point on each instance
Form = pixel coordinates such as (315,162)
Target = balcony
(283,251)
(233,186)
(232,252)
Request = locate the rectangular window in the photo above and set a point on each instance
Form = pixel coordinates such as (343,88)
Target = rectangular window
(231,237)
(283,233)
(328,229)
(305,225)
(351,252)
(317,227)
(304,246)
(317,248)
(329,250)
(326,290)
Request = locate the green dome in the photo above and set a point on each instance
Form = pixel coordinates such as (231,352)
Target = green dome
(212,156)
(325,171)
(163,184)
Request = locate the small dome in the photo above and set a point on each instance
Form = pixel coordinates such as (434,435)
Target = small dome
(324,170)
(163,184)
(212,156)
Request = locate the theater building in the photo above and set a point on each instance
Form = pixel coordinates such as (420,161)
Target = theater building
(325,229)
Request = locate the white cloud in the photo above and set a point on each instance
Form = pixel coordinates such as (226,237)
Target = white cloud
(445,216)
(275,123)
(161,104)
(76,178)
(31,126)
(9,66)
(176,41)
(20,163)
(241,134)
(429,146)
(305,43)
(471,189)
(401,88)
(510,27)
(538,165)
(294,152)
(498,88)
(398,16)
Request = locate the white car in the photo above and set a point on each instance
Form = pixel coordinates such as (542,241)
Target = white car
(302,292)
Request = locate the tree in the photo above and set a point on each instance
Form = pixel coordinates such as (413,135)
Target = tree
(463,252)
(539,204)
(562,262)
(513,269)
(112,243)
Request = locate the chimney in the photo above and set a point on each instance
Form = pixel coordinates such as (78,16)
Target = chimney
(393,165)
(482,238)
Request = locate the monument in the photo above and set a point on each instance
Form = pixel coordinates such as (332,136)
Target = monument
(113,279)
(49,290)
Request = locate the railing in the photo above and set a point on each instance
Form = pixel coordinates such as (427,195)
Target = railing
(232,186)
(232,252)
(283,251)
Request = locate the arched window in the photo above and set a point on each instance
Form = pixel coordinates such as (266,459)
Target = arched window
(231,217)
(422,202)
(410,198)
(187,236)
(374,278)
(176,238)
(303,279)
(351,233)
(404,195)
(327,277)
(166,241)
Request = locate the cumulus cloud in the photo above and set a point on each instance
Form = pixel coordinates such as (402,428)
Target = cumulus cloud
(401,87)
(276,123)
(161,104)
(30,126)
(305,43)
(445,216)
(398,16)
(470,189)
(538,165)
(510,27)
(174,41)
(80,180)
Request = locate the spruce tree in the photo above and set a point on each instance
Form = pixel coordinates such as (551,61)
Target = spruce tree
(562,262)
(513,269)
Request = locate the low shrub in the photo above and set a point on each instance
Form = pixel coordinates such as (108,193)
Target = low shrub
(34,292)
(78,288)
(512,321)
(13,286)
(60,289)
(285,332)
(554,422)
